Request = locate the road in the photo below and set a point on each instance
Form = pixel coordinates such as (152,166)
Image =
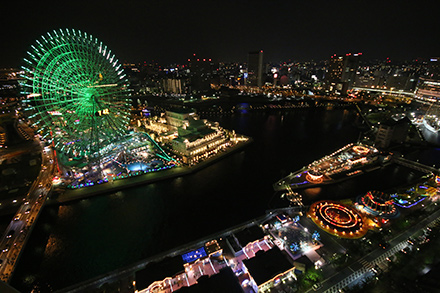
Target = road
(18,231)
(361,269)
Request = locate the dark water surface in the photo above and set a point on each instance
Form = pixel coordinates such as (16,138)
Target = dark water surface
(81,240)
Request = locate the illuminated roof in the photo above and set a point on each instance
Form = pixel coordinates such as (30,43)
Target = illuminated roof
(224,281)
(194,255)
(158,271)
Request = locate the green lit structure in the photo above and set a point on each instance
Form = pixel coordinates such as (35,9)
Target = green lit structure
(77,96)
(76,92)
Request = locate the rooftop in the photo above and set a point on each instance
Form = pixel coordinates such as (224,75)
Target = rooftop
(158,271)
(266,265)
(249,235)
(182,110)
(224,281)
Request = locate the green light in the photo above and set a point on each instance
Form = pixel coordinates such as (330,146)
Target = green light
(68,72)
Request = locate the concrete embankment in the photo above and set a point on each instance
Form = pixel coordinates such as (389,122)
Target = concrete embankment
(111,187)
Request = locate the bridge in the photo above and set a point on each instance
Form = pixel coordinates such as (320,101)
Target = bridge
(22,224)
(415,165)
(394,92)
(370,126)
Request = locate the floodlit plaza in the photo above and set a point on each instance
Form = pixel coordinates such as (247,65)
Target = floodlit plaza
(292,237)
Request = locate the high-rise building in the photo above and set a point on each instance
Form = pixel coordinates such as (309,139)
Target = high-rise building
(351,64)
(201,74)
(341,72)
(172,85)
(255,68)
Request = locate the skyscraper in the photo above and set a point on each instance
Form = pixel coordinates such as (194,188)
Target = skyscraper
(255,68)
(201,74)
(341,71)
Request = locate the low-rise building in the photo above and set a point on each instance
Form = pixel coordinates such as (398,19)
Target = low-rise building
(268,269)
(224,281)
(159,275)
(198,139)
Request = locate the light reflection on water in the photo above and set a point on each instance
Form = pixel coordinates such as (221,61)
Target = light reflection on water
(94,236)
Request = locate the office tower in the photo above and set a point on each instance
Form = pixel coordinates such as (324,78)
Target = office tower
(255,68)
(341,72)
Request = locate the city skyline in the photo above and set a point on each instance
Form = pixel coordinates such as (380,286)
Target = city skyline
(125,177)
(171,32)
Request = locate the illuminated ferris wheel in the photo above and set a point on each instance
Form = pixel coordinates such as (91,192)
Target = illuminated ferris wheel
(77,93)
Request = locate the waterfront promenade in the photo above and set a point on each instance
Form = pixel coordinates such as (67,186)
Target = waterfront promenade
(110,187)
(128,271)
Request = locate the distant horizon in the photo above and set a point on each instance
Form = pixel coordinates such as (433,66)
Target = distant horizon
(172,31)
(363,59)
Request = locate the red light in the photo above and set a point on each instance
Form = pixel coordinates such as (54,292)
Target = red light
(204,59)
(209,59)
(189,60)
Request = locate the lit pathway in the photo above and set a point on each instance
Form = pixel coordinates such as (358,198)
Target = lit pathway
(209,267)
(18,231)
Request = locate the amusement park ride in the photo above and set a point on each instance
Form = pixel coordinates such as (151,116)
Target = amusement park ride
(77,97)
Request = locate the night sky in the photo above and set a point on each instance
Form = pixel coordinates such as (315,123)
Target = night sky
(171,31)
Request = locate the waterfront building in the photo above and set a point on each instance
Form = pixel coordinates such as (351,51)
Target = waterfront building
(155,276)
(245,240)
(255,68)
(198,139)
(186,270)
(392,131)
(179,116)
(190,137)
(428,90)
(268,269)
(224,281)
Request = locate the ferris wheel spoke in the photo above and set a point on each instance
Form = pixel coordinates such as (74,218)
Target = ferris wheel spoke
(71,79)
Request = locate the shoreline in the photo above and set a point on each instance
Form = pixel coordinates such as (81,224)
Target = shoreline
(128,270)
(71,195)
